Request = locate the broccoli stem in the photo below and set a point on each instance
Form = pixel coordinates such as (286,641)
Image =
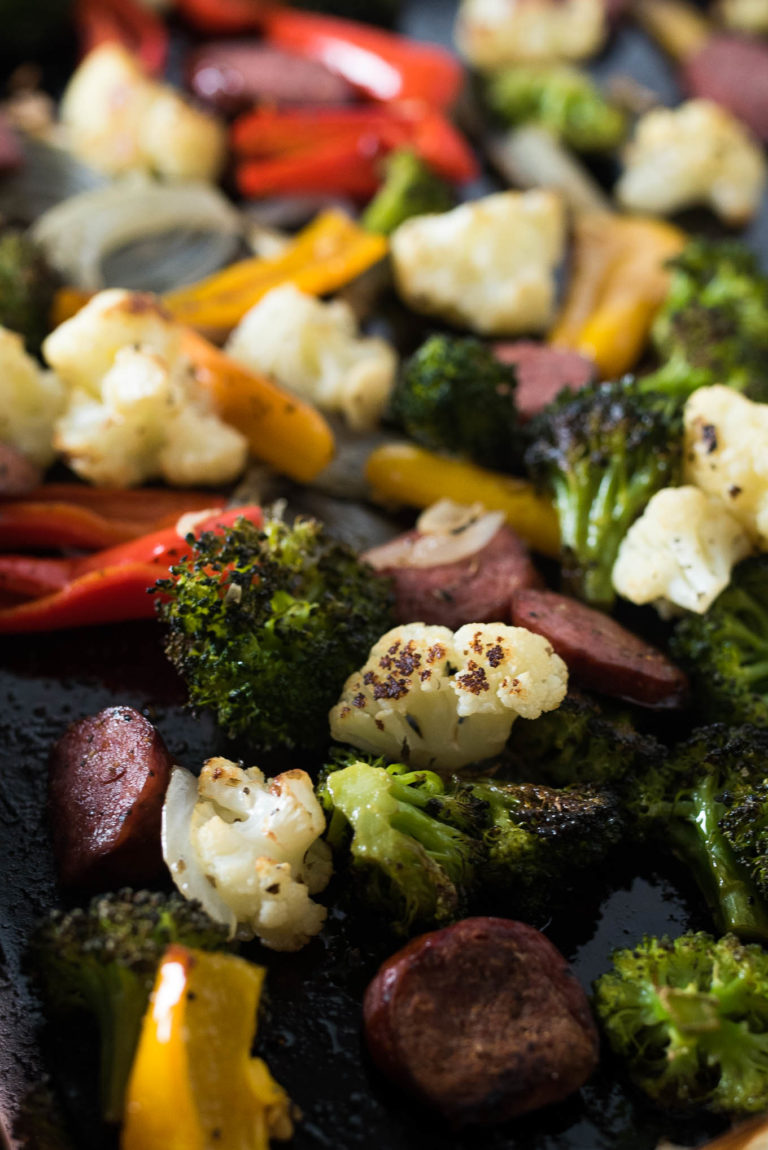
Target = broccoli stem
(119,1005)
(697,839)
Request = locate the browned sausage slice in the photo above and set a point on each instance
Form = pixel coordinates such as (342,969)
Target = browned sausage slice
(482,1020)
(732,71)
(601,654)
(18,475)
(107,781)
(476,589)
(236,75)
(543,372)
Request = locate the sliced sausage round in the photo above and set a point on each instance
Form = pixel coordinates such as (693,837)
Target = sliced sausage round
(543,372)
(236,75)
(732,71)
(475,589)
(482,1020)
(601,655)
(107,779)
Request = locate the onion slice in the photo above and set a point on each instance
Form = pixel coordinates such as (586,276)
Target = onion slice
(446,532)
(78,234)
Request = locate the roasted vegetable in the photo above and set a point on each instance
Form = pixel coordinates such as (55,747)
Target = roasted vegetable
(27,287)
(410,188)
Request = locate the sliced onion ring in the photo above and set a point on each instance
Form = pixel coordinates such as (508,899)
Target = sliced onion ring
(445,533)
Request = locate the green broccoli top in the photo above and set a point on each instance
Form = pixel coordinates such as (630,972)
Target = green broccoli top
(410,188)
(266,626)
(27,286)
(602,453)
(562,99)
(454,395)
(104,959)
(713,326)
(690,1017)
(725,650)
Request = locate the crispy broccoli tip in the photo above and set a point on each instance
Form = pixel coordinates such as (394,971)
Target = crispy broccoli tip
(561,99)
(27,286)
(423,851)
(725,650)
(410,188)
(454,395)
(713,326)
(602,453)
(689,1018)
(102,960)
(266,626)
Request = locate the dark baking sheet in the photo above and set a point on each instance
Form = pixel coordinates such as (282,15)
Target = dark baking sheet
(310,1029)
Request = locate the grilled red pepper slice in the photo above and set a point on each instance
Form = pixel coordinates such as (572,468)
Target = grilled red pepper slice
(222,17)
(125,22)
(107,596)
(342,167)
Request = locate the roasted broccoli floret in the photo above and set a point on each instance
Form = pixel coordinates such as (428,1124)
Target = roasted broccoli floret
(27,286)
(266,625)
(424,851)
(410,188)
(602,453)
(454,395)
(561,99)
(690,1019)
(581,742)
(103,959)
(713,326)
(689,803)
(725,650)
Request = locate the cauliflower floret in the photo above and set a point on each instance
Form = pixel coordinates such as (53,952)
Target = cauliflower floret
(680,552)
(118,120)
(726,454)
(441,700)
(135,410)
(30,401)
(493,33)
(249,849)
(487,265)
(315,349)
(695,154)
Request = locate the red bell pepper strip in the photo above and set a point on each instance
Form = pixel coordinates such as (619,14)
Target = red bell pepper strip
(125,22)
(381,64)
(34,575)
(222,17)
(343,168)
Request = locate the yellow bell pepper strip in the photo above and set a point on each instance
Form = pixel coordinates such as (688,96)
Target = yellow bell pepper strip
(282,429)
(330,252)
(618,282)
(404,473)
(193,1084)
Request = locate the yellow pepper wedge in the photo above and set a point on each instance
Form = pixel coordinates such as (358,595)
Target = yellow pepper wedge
(282,429)
(330,252)
(406,474)
(193,1084)
(618,282)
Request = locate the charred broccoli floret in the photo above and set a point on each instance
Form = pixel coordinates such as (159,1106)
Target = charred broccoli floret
(725,650)
(266,625)
(424,852)
(684,803)
(713,326)
(103,960)
(690,1019)
(27,286)
(454,395)
(561,99)
(410,188)
(581,742)
(602,453)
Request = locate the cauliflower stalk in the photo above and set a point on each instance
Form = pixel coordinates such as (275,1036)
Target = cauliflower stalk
(726,454)
(680,552)
(697,154)
(314,348)
(118,120)
(494,33)
(488,265)
(30,401)
(249,849)
(134,409)
(434,698)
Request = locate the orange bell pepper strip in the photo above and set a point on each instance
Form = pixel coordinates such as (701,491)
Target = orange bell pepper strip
(406,474)
(282,429)
(194,1085)
(325,256)
(618,282)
